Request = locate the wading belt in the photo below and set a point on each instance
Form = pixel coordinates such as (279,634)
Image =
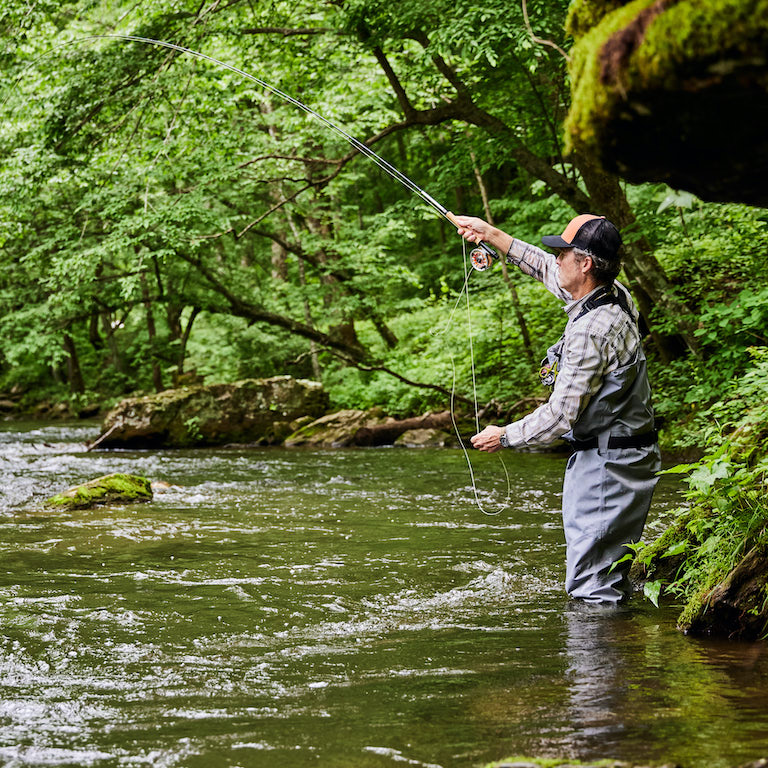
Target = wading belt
(618,441)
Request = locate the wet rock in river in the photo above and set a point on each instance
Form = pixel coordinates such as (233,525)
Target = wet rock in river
(110,489)
(426,438)
(250,411)
(336,430)
(371,428)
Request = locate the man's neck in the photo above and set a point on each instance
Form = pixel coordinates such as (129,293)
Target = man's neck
(587,287)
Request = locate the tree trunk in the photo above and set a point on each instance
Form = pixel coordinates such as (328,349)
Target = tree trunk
(521,322)
(184,339)
(641,265)
(74,374)
(109,332)
(157,375)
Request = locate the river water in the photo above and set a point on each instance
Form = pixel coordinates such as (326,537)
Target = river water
(344,608)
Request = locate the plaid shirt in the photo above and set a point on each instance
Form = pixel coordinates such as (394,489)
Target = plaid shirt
(601,341)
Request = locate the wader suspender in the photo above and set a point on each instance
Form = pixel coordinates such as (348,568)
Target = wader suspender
(601,299)
(548,371)
(623,441)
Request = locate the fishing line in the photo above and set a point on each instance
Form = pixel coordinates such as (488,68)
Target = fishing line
(464,293)
(481,257)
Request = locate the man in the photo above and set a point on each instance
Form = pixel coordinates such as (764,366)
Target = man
(600,401)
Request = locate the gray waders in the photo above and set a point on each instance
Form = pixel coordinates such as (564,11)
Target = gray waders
(609,481)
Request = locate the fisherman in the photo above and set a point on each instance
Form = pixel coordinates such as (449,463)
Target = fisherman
(600,401)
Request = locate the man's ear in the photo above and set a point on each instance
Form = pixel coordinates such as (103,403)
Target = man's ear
(586,265)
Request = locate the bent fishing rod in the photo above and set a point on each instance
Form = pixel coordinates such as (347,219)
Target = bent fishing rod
(482,255)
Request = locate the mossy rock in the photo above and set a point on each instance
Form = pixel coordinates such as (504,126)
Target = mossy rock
(673,91)
(654,561)
(110,489)
(256,411)
(735,608)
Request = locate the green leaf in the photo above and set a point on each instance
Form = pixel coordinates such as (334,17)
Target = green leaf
(652,590)
(676,549)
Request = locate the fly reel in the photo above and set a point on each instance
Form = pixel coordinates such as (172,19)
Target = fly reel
(481,258)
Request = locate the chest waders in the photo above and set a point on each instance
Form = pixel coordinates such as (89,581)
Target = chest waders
(610,478)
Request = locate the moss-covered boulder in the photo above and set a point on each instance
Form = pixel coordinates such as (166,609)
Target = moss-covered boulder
(110,489)
(251,411)
(673,91)
(737,607)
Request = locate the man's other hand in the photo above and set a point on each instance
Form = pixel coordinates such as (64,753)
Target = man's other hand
(488,439)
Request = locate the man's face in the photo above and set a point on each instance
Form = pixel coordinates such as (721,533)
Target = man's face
(569,270)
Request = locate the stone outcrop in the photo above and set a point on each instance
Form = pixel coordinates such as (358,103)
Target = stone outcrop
(427,438)
(262,411)
(673,91)
(110,489)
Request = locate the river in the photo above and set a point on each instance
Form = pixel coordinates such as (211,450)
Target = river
(347,608)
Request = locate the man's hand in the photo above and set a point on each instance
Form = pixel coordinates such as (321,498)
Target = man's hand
(488,439)
(473,229)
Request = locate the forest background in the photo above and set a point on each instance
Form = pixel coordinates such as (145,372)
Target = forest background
(165,220)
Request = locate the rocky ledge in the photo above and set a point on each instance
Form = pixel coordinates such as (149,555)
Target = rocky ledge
(262,411)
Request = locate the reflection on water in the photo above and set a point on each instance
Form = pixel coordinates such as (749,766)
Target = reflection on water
(347,608)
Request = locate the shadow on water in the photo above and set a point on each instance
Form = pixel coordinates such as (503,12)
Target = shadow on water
(347,608)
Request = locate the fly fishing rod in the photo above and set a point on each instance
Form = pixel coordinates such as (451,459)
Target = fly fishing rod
(482,255)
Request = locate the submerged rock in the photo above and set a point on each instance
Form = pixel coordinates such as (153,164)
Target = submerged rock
(250,411)
(110,489)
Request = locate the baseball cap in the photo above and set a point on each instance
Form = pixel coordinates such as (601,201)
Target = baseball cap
(590,233)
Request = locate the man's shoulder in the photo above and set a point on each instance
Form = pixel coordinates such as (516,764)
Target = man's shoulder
(603,323)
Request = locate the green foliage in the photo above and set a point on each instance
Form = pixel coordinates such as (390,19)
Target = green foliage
(727,513)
